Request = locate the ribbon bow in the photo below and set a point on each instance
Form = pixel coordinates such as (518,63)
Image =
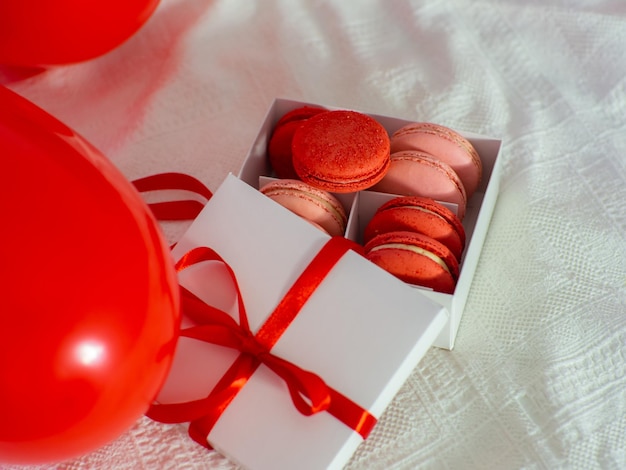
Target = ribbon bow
(309,393)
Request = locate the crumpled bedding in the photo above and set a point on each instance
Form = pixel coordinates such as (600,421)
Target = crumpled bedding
(537,378)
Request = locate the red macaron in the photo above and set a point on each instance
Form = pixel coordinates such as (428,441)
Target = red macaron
(301,113)
(415,259)
(422,215)
(341,151)
(279,146)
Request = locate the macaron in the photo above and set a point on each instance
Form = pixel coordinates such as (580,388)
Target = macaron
(341,151)
(279,146)
(299,114)
(422,215)
(416,173)
(445,144)
(415,259)
(317,206)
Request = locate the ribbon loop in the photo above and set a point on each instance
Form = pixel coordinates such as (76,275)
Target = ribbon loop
(308,391)
(185,209)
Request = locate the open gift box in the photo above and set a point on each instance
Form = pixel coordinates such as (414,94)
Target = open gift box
(361,206)
(361,331)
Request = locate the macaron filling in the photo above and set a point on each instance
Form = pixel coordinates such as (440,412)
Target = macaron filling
(423,209)
(414,249)
(339,185)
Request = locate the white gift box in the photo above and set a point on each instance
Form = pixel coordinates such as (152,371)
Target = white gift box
(362,331)
(361,206)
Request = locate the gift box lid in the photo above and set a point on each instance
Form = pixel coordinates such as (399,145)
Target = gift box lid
(362,331)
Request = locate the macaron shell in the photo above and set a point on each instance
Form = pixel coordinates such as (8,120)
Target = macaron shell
(279,147)
(341,151)
(299,114)
(412,258)
(415,219)
(429,205)
(279,150)
(318,207)
(415,173)
(445,144)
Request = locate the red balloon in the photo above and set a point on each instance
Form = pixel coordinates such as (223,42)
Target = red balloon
(52,32)
(89,303)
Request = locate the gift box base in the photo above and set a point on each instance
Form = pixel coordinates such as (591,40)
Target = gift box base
(361,206)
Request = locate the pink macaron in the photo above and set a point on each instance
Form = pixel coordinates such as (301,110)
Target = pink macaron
(317,206)
(415,173)
(445,144)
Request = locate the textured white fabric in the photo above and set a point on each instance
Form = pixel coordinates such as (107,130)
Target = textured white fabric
(538,375)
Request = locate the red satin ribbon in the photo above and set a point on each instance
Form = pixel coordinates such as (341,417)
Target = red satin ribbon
(308,391)
(186,209)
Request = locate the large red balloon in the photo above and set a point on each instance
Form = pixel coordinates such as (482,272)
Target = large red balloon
(51,32)
(89,306)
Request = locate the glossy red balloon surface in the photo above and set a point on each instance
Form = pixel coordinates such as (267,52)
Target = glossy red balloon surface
(89,307)
(50,32)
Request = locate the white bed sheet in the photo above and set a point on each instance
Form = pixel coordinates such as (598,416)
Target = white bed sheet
(538,375)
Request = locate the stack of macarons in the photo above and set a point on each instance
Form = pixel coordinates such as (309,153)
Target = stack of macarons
(434,161)
(316,152)
(340,151)
(418,240)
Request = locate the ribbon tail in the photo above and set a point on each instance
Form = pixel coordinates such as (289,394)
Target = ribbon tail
(199,431)
(351,414)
